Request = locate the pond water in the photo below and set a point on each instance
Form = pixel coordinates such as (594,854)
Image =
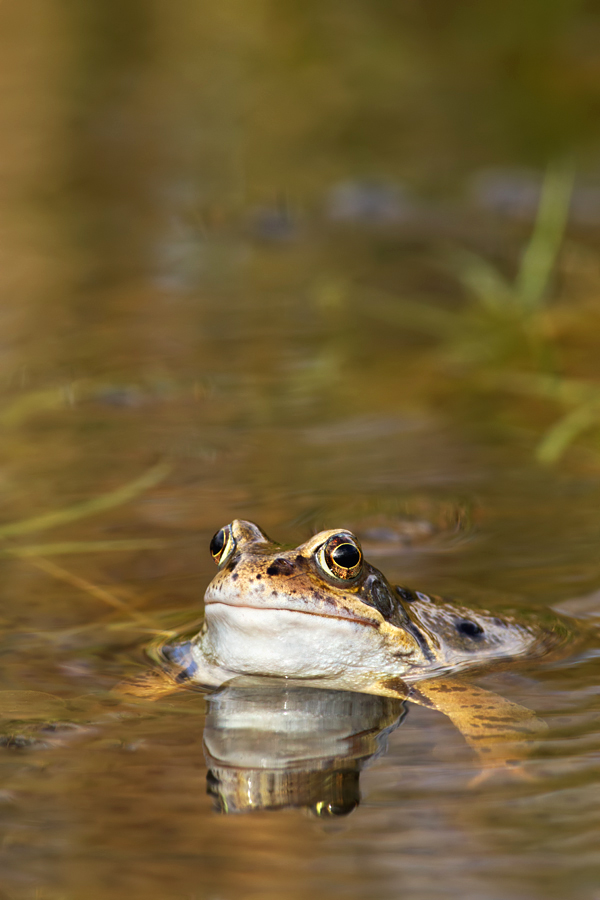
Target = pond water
(235,242)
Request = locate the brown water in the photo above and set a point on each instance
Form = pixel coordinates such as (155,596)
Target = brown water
(207,215)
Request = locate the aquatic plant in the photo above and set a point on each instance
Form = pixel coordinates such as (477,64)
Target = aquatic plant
(505,339)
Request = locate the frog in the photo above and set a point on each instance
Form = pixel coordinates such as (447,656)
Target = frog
(320,615)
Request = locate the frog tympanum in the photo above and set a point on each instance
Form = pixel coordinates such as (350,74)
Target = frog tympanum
(319,615)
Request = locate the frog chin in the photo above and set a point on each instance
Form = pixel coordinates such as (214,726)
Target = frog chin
(288,643)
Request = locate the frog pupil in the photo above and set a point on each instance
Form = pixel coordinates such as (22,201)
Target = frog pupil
(218,542)
(346,555)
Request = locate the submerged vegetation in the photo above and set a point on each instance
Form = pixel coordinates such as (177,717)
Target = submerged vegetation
(35,554)
(522,336)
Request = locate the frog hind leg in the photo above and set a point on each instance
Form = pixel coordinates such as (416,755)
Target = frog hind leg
(501,732)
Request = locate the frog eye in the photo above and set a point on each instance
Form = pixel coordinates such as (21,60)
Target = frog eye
(222,545)
(341,557)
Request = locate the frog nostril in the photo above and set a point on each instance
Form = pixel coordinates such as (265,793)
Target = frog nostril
(280,566)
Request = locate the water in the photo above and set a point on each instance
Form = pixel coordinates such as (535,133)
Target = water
(210,221)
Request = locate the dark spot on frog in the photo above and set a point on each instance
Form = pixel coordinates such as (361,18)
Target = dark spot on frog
(448,689)
(376,595)
(405,594)
(235,577)
(258,577)
(280,567)
(302,564)
(468,628)
(513,729)
(325,600)
(232,565)
(420,639)
(397,685)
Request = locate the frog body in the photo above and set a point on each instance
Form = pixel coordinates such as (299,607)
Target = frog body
(320,615)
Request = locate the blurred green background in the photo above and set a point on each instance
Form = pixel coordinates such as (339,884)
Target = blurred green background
(279,193)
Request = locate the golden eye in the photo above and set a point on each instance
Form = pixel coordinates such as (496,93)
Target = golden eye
(222,545)
(341,557)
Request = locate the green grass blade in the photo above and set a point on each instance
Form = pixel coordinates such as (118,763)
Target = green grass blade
(556,441)
(540,254)
(25,405)
(482,280)
(88,507)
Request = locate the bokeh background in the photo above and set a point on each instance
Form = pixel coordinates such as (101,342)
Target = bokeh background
(312,264)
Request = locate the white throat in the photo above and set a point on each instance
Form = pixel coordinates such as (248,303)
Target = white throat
(287,643)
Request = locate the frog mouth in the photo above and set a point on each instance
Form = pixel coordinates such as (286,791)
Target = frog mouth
(252,638)
(347,617)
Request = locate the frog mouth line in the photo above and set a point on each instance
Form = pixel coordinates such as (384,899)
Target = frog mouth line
(303,612)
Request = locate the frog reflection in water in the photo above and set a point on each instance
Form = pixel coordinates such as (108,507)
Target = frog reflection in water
(320,615)
(271,745)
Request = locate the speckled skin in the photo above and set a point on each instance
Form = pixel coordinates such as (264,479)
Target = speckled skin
(272,611)
(275,611)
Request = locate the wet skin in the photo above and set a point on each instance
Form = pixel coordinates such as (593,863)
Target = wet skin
(321,612)
(322,615)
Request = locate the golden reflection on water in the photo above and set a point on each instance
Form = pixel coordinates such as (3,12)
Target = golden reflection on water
(232,244)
